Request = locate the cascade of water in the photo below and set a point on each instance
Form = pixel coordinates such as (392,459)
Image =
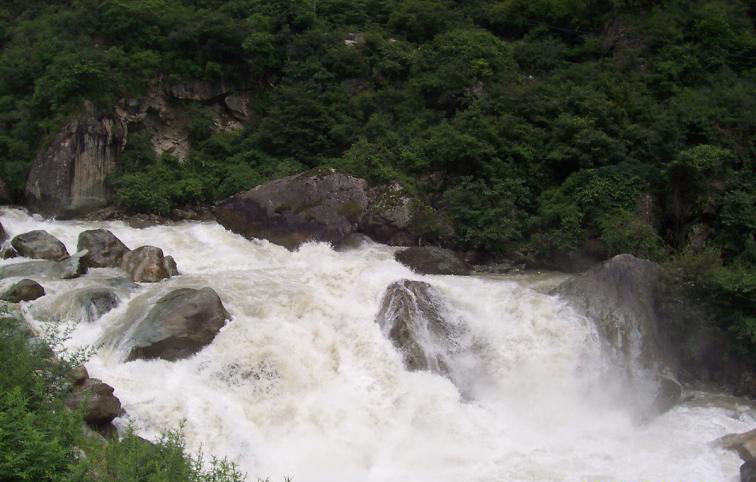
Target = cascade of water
(304,382)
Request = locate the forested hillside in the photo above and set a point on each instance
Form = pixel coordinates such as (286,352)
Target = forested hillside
(544,130)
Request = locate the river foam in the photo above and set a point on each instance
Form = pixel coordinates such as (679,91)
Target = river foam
(302,382)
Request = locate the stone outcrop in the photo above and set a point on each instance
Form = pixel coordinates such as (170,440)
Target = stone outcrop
(105,249)
(145,264)
(96,400)
(410,316)
(24,290)
(432,260)
(179,325)
(201,90)
(68,178)
(39,244)
(71,267)
(85,304)
(397,218)
(319,205)
(619,296)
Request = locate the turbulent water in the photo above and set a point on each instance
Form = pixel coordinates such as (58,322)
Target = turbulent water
(302,381)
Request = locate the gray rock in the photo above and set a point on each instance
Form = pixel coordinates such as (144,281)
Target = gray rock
(748,471)
(85,304)
(742,443)
(121,284)
(618,295)
(79,375)
(24,290)
(5,195)
(397,218)
(202,90)
(97,401)
(179,325)
(238,106)
(431,260)
(39,244)
(105,249)
(318,205)
(170,266)
(68,178)
(410,317)
(145,264)
(8,252)
(3,235)
(71,267)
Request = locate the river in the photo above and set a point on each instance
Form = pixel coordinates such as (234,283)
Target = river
(303,383)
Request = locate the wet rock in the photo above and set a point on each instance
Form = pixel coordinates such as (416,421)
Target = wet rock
(24,290)
(39,244)
(121,284)
(432,260)
(742,443)
(145,264)
(179,325)
(318,205)
(396,218)
(79,375)
(5,195)
(3,235)
(170,266)
(668,395)
(71,267)
(748,471)
(353,241)
(99,404)
(410,317)
(68,178)
(105,249)
(8,252)
(85,304)
(618,295)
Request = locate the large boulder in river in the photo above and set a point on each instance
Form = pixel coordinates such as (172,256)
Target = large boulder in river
(145,264)
(71,267)
(318,205)
(85,304)
(618,295)
(24,290)
(179,325)
(105,249)
(748,471)
(432,260)
(742,443)
(68,178)
(39,244)
(411,317)
(97,401)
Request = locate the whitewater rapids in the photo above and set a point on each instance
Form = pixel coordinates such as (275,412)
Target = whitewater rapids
(302,382)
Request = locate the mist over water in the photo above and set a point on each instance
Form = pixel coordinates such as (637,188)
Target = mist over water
(303,382)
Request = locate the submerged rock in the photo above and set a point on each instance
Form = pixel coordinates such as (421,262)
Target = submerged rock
(105,249)
(85,304)
(39,244)
(742,443)
(431,260)
(145,264)
(96,398)
(71,267)
(410,317)
(320,205)
(24,290)
(179,325)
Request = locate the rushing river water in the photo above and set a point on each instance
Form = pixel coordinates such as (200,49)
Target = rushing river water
(302,382)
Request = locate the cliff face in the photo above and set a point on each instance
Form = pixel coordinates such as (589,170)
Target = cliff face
(68,177)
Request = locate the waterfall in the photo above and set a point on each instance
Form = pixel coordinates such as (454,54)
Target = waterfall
(305,380)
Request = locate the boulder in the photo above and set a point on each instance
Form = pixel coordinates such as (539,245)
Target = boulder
(742,443)
(96,398)
(68,178)
(3,235)
(238,106)
(85,304)
(145,264)
(619,296)
(748,471)
(410,316)
(170,266)
(71,267)
(24,290)
(432,260)
(318,205)
(8,252)
(179,325)
(79,375)
(105,249)
(396,218)
(5,195)
(39,244)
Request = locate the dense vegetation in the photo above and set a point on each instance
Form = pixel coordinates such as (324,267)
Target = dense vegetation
(41,440)
(545,129)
